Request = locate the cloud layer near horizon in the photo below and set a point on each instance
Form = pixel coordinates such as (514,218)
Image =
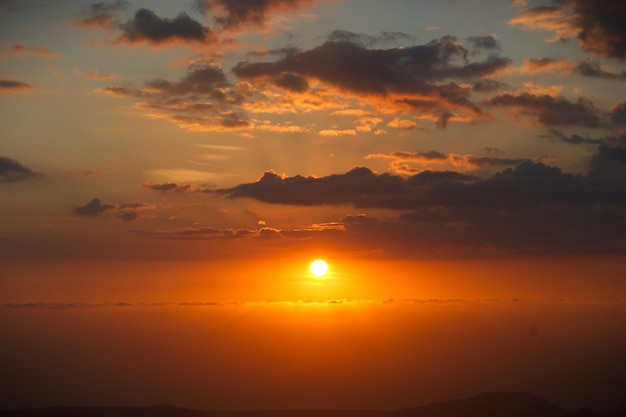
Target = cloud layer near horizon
(529,207)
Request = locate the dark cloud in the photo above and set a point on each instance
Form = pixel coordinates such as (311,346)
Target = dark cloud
(350,66)
(101,15)
(550,110)
(128,216)
(9,86)
(236,14)
(201,80)
(335,189)
(530,207)
(573,139)
(598,25)
(291,82)
(126,211)
(93,208)
(488,86)
(529,184)
(202,100)
(169,187)
(609,164)
(601,24)
(418,77)
(591,69)
(146,26)
(484,43)
(618,114)
(12,171)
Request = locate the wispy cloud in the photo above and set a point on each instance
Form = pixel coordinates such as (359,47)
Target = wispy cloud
(21,50)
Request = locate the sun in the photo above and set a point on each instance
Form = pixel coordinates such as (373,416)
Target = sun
(319,267)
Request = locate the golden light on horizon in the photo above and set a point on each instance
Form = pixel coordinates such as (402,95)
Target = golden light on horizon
(319,267)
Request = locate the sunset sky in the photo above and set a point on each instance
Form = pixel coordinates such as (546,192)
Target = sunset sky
(169,170)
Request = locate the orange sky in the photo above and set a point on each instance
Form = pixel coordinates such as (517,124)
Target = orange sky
(169,169)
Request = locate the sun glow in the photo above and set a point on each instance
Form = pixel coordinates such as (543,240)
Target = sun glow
(319,267)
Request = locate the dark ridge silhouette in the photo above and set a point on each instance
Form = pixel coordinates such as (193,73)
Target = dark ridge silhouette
(297,413)
(489,404)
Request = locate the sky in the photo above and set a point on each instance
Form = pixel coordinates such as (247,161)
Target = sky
(169,169)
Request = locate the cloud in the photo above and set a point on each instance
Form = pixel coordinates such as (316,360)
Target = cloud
(575,139)
(93,208)
(538,65)
(147,27)
(400,161)
(590,69)
(586,68)
(238,14)
(549,18)
(601,26)
(549,110)
(618,114)
(100,15)
(528,184)
(369,41)
(431,83)
(199,232)
(597,25)
(412,79)
(202,100)
(404,124)
(94,74)
(530,207)
(19,49)
(169,187)
(208,80)
(12,171)
(337,132)
(484,43)
(12,86)
(126,211)
(609,164)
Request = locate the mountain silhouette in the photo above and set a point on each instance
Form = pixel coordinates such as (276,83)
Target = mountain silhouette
(489,404)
